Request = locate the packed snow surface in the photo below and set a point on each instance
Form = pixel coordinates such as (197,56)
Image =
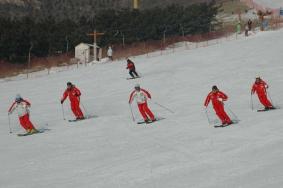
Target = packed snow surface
(183,150)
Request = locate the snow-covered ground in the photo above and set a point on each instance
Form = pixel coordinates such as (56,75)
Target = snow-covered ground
(179,151)
(270,3)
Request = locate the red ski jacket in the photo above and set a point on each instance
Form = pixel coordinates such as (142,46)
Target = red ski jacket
(259,88)
(73,94)
(141,96)
(217,98)
(130,65)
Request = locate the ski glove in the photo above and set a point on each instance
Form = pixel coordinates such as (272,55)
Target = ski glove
(62,101)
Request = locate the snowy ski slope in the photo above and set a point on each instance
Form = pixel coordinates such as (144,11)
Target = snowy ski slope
(178,152)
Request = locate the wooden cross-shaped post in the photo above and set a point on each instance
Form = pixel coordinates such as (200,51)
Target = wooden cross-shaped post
(95,34)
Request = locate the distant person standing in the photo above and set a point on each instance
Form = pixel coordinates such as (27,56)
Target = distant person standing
(238,28)
(246,30)
(110,53)
(132,69)
(250,23)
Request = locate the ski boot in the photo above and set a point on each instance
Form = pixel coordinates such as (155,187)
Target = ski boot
(147,121)
(33,131)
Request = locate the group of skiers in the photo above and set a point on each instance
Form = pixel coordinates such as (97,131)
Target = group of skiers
(216,97)
(22,106)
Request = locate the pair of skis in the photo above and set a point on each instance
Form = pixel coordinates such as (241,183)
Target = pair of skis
(29,134)
(86,118)
(218,124)
(225,125)
(236,121)
(265,110)
(133,78)
(156,119)
(41,130)
(149,122)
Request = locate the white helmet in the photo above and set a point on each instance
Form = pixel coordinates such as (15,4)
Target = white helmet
(18,98)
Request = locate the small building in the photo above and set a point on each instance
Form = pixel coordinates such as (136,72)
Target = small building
(82,53)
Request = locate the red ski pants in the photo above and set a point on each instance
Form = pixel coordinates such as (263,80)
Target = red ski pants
(264,101)
(25,122)
(220,112)
(75,106)
(145,111)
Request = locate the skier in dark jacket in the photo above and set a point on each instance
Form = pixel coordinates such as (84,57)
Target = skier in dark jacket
(132,69)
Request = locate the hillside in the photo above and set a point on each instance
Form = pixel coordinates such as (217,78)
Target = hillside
(179,151)
(73,9)
(276,4)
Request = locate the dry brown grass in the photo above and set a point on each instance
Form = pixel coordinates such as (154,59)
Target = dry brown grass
(37,64)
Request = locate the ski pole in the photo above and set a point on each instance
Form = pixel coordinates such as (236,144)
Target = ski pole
(84,109)
(169,110)
(237,119)
(133,117)
(269,97)
(63,112)
(208,119)
(10,129)
(139,74)
(252,102)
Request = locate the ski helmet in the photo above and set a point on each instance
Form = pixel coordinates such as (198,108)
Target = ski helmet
(214,88)
(69,84)
(18,98)
(137,86)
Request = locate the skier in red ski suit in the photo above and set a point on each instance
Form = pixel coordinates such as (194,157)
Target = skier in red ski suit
(260,87)
(74,95)
(217,97)
(22,107)
(141,96)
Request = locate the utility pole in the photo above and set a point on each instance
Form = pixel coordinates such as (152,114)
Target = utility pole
(29,57)
(67,44)
(164,36)
(123,38)
(94,34)
(183,32)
